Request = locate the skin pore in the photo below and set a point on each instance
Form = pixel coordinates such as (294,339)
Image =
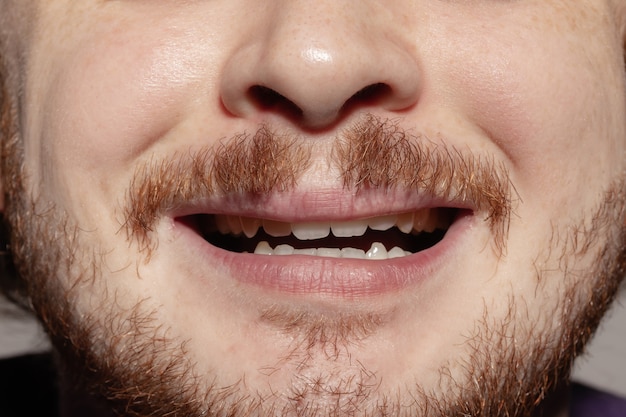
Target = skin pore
(129,127)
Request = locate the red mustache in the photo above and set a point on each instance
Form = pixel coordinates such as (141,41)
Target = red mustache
(371,154)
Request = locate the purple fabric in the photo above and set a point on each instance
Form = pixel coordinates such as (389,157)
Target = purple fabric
(588,402)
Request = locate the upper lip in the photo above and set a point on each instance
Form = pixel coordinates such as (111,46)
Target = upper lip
(318,205)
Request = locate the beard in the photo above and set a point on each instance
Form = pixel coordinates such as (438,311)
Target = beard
(125,357)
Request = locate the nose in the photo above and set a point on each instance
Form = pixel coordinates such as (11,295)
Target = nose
(314,62)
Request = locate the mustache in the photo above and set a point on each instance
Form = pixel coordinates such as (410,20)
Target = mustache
(372,153)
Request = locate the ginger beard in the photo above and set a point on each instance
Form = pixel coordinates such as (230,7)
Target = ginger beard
(126,356)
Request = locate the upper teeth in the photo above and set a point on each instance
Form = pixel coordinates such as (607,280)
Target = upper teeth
(425,220)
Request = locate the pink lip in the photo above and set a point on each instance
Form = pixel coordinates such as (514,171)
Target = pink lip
(319,205)
(348,279)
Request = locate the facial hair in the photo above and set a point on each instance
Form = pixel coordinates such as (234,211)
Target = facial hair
(126,358)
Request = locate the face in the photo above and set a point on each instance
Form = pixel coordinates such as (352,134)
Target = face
(304,208)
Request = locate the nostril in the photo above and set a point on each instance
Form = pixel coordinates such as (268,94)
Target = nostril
(265,99)
(372,94)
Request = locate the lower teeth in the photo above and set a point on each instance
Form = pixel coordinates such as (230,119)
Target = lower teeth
(376,252)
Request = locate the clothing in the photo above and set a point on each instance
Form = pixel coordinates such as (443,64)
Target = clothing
(588,402)
(28,387)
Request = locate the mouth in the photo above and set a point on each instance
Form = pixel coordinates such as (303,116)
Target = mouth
(373,238)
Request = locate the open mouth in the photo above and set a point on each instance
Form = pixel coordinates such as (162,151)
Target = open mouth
(375,238)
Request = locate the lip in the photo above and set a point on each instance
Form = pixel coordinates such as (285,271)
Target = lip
(319,205)
(340,278)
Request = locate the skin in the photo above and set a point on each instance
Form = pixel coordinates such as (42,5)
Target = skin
(100,88)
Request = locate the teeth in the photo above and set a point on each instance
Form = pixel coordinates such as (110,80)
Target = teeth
(353,253)
(383,222)
(310,251)
(263,248)
(405,222)
(250,226)
(419,219)
(376,252)
(283,250)
(397,252)
(221,222)
(310,231)
(235,225)
(349,228)
(276,229)
(329,252)
(425,220)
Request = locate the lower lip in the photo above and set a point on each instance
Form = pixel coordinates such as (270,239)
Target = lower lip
(335,277)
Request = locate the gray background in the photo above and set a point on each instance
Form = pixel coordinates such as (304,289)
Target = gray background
(604,365)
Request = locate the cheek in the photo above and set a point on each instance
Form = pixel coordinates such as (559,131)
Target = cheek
(106,100)
(556,114)
(116,98)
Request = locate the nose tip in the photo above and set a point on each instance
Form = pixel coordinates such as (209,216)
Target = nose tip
(317,77)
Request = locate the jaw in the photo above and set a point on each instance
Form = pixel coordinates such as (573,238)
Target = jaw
(251,337)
